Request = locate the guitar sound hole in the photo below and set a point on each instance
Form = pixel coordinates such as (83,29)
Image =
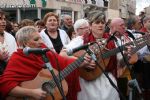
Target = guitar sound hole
(88,69)
(48,87)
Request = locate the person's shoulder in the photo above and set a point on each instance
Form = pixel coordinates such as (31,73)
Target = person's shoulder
(15,55)
(8,35)
(61,30)
(63,27)
(42,31)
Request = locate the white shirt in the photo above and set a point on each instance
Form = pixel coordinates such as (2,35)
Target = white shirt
(9,43)
(63,36)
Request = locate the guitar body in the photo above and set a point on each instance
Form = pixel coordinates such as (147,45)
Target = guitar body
(92,74)
(89,74)
(43,76)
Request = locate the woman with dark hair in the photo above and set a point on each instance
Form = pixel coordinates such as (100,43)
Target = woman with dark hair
(39,25)
(100,88)
(7,42)
(71,33)
(9,27)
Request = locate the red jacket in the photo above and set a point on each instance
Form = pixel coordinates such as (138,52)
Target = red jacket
(23,68)
(112,65)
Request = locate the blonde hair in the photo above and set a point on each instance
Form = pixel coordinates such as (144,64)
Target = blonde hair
(24,34)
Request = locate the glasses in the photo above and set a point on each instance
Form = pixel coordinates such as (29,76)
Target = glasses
(83,27)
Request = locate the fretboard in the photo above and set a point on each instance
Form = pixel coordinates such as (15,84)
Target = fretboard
(137,44)
(71,67)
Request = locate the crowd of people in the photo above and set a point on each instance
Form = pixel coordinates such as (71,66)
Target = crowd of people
(18,69)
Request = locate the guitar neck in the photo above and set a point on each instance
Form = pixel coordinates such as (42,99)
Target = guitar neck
(50,85)
(137,44)
(71,68)
(114,51)
(134,50)
(68,70)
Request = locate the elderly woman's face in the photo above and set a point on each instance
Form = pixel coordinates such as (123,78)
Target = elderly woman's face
(35,41)
(84,28)
(52,23)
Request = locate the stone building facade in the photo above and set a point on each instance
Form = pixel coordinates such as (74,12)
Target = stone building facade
(21,9)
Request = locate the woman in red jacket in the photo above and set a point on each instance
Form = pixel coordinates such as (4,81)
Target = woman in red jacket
(24,68)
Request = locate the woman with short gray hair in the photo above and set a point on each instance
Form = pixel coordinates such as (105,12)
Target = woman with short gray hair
(22,76)
(24,34)
(81,27)
(81,24)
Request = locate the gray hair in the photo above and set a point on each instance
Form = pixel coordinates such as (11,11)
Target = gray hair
(146,18)
(79,23)
(24,34)
(66,16)
(96,16)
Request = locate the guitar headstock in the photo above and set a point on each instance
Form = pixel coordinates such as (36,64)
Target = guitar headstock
(138,43)
(142,39)
(98,47)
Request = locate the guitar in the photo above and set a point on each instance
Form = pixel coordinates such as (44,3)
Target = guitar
(137,44)
(45,81)
(90,75)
